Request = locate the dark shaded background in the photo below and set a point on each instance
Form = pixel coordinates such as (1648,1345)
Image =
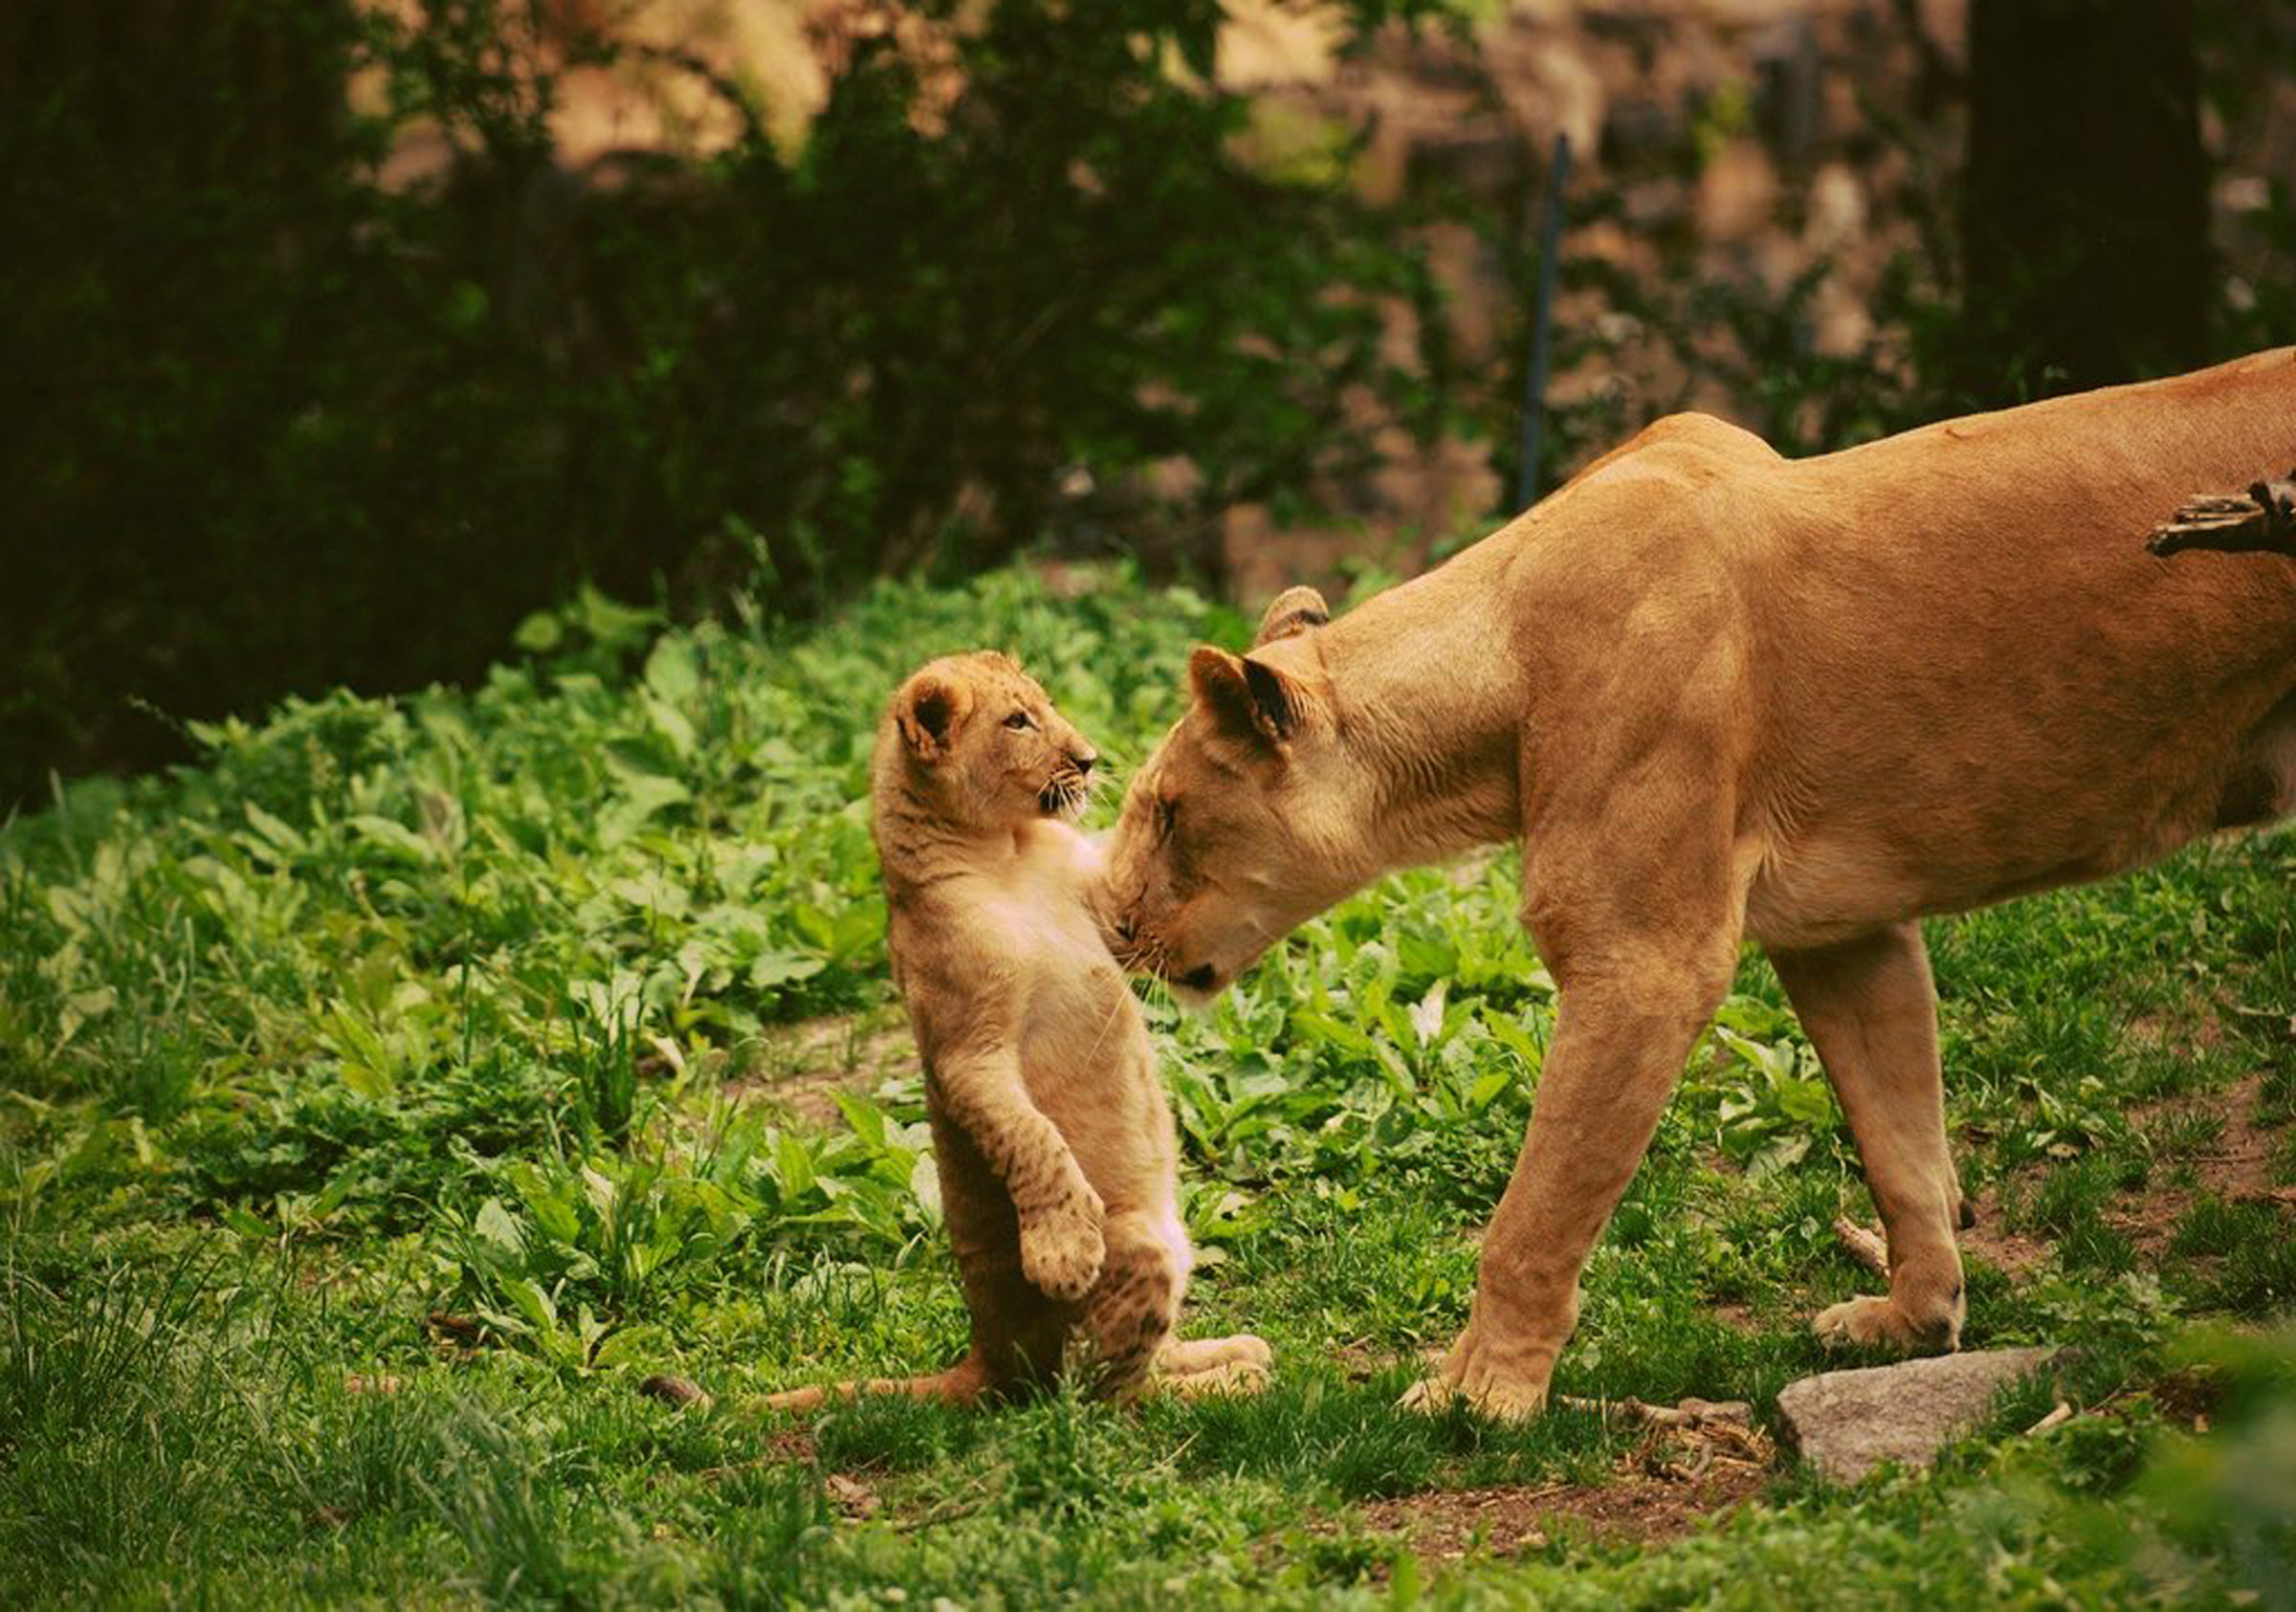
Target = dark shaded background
(274,423)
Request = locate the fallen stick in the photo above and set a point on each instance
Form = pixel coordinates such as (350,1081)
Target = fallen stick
(2056,1418)
(1691,1413)
(1864,1247)
(2261,521)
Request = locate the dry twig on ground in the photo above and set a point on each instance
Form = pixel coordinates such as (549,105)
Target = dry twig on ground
(1864,1247)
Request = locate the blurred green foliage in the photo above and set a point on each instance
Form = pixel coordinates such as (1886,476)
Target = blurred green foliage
(277,426)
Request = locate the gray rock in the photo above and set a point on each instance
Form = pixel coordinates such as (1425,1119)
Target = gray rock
(1848,1422)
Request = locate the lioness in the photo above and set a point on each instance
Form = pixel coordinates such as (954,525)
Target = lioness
(1057,1161)
(1724,695)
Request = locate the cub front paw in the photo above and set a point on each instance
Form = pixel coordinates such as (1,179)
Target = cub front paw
(1060,1248)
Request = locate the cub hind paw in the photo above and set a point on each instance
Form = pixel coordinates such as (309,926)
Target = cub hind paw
(1241,1357)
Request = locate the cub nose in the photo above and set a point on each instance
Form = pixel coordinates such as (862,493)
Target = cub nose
(1084,762)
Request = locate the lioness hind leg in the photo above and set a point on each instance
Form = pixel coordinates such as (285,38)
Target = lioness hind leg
(1871,1012)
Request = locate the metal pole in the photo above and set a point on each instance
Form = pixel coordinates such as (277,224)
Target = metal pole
(1542,319)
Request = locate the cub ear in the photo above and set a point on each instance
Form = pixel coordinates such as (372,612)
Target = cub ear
(1248,698)
(1296,610)
(929,708)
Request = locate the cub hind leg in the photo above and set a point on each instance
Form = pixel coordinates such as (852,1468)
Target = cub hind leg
(1128,1320)
(1129,1314)
(1018,1330)
(1018,1335)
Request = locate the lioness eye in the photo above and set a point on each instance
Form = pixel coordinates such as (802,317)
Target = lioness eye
(1167,813)
(1019,720)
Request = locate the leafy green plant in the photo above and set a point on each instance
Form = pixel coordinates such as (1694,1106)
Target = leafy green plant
(390,1096)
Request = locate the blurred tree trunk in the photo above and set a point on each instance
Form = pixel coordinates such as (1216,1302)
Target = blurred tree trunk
(167,168)
(195,90)
(2084,245)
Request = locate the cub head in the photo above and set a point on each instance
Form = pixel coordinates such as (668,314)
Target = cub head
(978,739)
(1241,825)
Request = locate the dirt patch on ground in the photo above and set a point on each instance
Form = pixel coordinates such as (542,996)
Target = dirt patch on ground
(1446,1526)
(2236,1166)
(1692,1460)
(2203,1032)
(1992,1240)
(802,1067)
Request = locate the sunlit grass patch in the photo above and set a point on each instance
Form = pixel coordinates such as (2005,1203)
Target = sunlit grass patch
(388,1097)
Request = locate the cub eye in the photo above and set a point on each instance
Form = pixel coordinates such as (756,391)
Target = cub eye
(1019,720)
(1167,813)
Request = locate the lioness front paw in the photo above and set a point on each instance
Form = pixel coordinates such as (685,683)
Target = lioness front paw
(1874,1321)
(1060,1248)
(1475,1376)
(1501,1402)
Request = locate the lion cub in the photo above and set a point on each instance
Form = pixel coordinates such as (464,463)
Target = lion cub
(1057,1160)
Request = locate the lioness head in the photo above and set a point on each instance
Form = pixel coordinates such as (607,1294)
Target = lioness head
(1238,828)
(975,738)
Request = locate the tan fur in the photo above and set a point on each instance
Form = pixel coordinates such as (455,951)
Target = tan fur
(1723,695)
(1055,1144)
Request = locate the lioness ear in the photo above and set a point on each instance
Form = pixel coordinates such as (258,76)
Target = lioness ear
(1249,698)
(928,709)
(1296,610)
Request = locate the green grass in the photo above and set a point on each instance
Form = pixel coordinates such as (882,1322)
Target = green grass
(434,1045)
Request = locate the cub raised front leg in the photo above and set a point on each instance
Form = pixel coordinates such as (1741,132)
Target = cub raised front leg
(1128,1321)
(1059,1213)
(1129,1317)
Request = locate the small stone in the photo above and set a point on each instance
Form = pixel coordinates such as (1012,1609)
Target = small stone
(1848,1422)
(852,1496)
(680,1391)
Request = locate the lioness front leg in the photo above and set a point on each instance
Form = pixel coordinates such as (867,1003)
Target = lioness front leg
(1634,886)
(1871,1012)
(1621,1040)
